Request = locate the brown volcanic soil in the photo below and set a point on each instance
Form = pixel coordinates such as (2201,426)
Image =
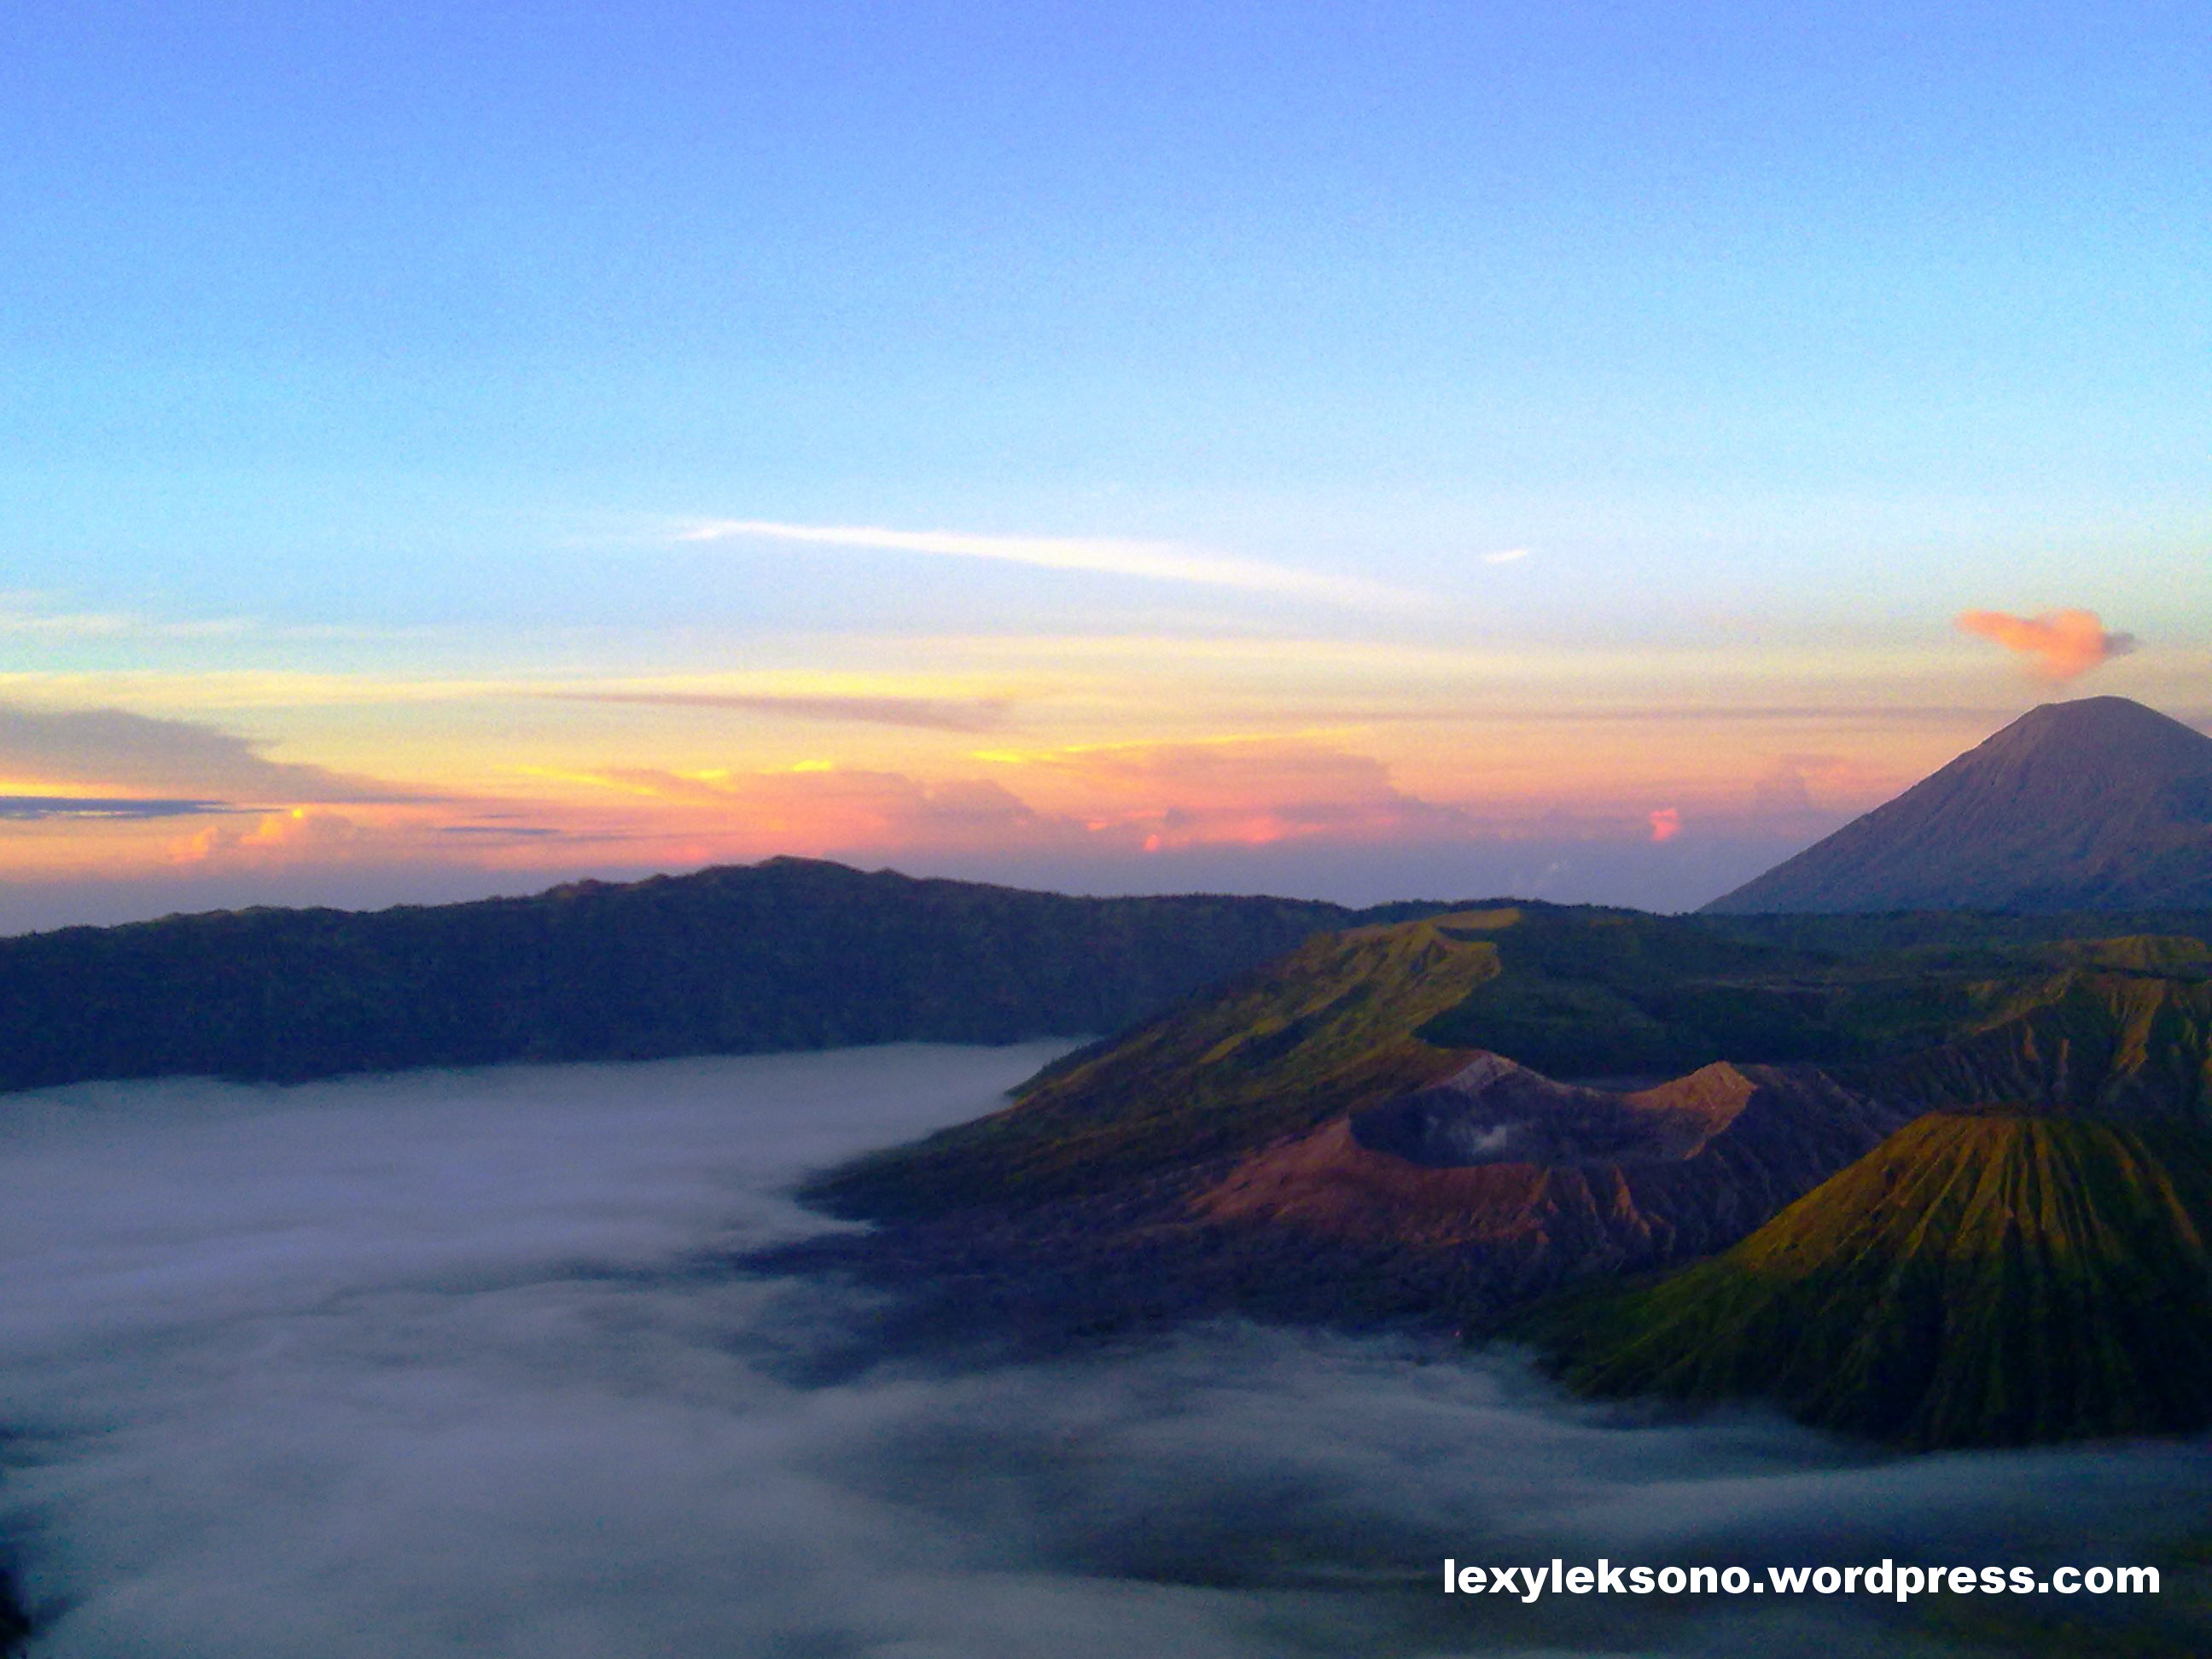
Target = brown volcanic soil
(1550,1179)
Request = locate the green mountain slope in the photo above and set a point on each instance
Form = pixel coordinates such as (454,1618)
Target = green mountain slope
(789,954)
(1352,1020)
(1588,991)
(1976,1279)
(2126,1035)
(1330,1027)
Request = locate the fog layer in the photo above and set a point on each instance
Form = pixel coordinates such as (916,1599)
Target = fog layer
(453,1364)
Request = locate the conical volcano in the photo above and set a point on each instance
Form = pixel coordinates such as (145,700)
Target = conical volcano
(2096,804)
(1986,1278)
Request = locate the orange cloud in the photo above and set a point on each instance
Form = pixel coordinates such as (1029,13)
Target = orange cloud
(1248,792)
(2060,644)
(302,835)
(819,811)
(1666,823)
(1118,798)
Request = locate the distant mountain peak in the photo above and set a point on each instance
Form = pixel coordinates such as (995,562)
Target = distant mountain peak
(2094,803)
(2114,727)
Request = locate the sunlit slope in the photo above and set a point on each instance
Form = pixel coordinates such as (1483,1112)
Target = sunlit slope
(2110,1038)
(1978,1279)
(1325,1030)
(1352,1019)
(1586,992)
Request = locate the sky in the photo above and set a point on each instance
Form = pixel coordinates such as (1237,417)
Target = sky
(1366,451)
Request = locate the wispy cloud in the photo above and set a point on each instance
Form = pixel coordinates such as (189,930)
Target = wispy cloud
(1150,561)
(2060,644)
(1505,556)
(21,809)
(922,713)
(23,615)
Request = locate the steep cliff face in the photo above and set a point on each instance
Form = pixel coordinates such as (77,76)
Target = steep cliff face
(2126,1045)
(1992,1279)
(2096,805)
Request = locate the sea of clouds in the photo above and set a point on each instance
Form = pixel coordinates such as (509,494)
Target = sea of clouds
(453,1364)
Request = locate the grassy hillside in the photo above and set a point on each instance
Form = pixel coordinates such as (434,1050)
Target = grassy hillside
(2125,1035)
(1330,1027)
(1349,1020)
(1587,992)
(789,954)
(1979,1279)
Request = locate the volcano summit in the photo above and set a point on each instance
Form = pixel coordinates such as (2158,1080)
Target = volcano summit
(2096,805)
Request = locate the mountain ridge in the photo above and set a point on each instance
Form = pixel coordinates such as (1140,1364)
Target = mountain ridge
(791,953)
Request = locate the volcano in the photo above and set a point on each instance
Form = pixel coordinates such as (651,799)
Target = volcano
(1999,1277)
(2096,805)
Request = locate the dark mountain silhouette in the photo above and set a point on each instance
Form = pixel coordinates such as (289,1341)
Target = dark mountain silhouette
(792,953)
(2096,805)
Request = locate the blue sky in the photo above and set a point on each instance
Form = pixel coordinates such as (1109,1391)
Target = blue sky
(408,343)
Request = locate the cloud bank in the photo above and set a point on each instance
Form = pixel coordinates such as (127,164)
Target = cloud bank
(2059,645)
(115,749)
(450,1364)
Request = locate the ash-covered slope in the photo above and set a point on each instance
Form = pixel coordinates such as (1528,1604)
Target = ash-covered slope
(1533,1181)
(2096,804)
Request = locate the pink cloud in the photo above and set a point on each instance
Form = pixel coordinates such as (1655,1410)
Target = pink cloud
(1666,823)
(2060,644)
(1250,792)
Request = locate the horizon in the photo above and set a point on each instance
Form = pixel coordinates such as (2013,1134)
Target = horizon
(1590,458)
